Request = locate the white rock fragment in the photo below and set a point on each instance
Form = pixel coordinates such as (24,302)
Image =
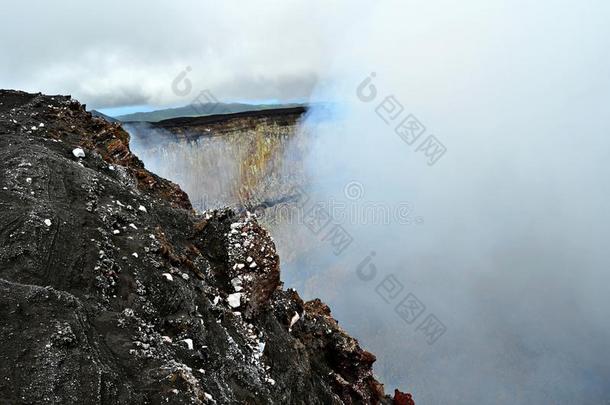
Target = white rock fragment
(110,167)
(133,226)
(252,265)
(208,396)
(33,128)
(236,282)
(135,255)
(78,152)
(216,300)
(185,276)
(142,208)
(240,265)
(294,320)
(116,232)
(41,125)
(249,259)
(234,300)
(168,276)
(189,343)
(166,339)
(47,222)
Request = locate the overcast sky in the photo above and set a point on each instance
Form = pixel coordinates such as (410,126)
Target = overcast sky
(118,53)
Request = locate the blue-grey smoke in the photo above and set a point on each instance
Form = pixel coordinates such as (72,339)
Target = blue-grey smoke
(510,254)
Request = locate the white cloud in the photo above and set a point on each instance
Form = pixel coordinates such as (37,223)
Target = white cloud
(120,53)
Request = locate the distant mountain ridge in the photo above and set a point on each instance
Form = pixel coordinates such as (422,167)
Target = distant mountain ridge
(199,110)
(108,118)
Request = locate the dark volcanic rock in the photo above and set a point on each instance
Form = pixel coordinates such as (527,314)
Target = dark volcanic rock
(112,290)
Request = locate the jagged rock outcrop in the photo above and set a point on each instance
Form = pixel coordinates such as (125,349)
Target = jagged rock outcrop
(113,290)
